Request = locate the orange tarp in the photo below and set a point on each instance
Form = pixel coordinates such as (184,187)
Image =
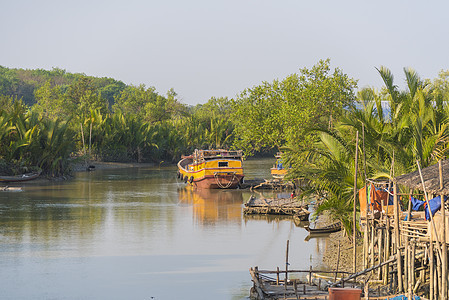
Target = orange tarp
(376,198)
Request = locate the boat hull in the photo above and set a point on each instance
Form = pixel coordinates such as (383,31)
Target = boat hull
(230,181)
(278,173)
(222,171)
(20,178)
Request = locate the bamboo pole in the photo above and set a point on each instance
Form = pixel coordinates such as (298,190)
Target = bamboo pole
(406,264)
(338,261)
(354,227)
(443,215)
(444,258)
(352,276)
(286,263)
(371,236)
(366,231)
(387,249)
(397,236)
(380,244)
(413,259)
(409,208)
(432,274)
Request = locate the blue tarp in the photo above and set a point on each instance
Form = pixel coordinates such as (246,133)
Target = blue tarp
(402,297)
(416,204)
(435,205)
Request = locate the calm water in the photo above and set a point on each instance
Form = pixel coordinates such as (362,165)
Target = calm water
(138,233)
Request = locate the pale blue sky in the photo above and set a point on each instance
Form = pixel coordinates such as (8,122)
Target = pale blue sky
(213,48)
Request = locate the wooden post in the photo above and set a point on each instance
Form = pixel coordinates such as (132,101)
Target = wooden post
(310,275)
(432,274)
(410,270)
(366,289)
(354,221)
(406,264)
(409,209)
(372,245)
(443,215)
(286,263)
(366,231)
(295,286)
(444,258)
(257,285)
(338,261)
(413,263)
(380,243)
(397,235)
(277,276)
(387,249)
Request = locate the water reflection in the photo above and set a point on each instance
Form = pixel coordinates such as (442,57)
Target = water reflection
(275,219)
(213,206)
(136,233)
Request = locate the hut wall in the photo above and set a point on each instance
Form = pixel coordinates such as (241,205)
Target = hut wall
(438,219)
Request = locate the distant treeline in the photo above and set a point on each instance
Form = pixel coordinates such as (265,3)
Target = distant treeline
(23,84)
(50,118)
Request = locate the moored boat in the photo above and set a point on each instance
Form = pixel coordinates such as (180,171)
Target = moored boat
(278,171)
(212,169)
(23,177)
(326,229)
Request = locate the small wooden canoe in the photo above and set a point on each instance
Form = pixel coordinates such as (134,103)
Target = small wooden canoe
(23,177)
(326,229)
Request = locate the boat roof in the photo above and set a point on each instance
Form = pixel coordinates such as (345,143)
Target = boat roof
(219,153)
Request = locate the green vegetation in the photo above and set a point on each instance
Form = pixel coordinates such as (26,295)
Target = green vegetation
(48,118)
(412,127)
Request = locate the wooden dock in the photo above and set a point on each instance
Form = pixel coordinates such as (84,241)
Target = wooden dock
(277,206)
(279,284)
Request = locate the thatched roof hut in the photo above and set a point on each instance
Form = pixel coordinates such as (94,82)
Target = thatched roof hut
(431,176)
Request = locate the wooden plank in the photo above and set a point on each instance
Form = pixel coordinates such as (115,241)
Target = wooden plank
(257,284)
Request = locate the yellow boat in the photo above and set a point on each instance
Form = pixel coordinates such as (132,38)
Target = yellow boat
(278,171)
(212,169)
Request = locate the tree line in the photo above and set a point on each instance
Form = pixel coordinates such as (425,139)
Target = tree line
(69,116)
(312,116)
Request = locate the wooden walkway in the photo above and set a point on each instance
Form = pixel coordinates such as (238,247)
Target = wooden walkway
(266,287)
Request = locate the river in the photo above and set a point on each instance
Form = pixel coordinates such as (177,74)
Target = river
(139,233)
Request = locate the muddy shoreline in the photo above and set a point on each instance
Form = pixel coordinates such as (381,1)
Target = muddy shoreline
(340,240)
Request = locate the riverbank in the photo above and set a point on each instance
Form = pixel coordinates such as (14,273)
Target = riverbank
(345,258)
(100,165)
